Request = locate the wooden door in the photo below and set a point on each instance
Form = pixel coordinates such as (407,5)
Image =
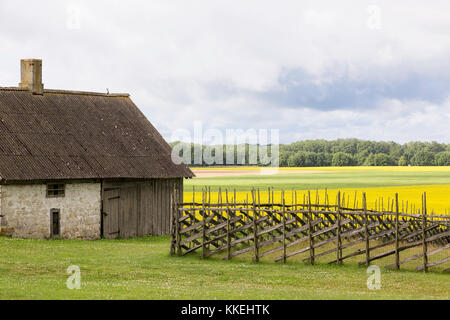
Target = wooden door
(111,212)
(138,208)
(128,210)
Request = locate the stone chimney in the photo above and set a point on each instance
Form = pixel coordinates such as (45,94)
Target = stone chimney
(31,75)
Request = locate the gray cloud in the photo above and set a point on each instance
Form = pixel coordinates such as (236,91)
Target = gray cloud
(313,69)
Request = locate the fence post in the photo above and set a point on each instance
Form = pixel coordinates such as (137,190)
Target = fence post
(271,207)
(228,227)
(193,212)
(178,230)
(220,216)
(284,227)
(366,229)
(255,228)
(424,226)
(203,225)
(310,228)
(397,253)
(297,223)
(172,224)
(338,231)
(259,207)
(235,212)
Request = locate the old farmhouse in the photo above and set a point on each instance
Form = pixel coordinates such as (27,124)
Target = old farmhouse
(81,165)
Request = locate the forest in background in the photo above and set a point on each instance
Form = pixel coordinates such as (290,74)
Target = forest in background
(321,153)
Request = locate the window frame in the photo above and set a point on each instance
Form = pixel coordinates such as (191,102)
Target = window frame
(58,189)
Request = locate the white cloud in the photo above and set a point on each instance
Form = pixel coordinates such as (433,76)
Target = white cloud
(213,61)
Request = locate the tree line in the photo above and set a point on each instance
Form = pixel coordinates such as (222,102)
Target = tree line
(321,153)
(355,152)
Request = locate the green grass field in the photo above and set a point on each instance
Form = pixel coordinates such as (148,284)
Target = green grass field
(327,179)
(143,269)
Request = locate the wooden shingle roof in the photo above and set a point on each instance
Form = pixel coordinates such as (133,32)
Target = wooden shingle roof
(79,135)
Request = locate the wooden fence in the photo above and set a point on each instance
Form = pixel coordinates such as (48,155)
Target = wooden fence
(310,230)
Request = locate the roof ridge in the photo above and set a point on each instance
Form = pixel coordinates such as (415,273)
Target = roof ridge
(58,91)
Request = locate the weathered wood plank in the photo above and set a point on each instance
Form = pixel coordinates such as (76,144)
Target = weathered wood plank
(432,264)
(420,255)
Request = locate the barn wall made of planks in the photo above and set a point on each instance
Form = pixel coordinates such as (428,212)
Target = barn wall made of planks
(138,208)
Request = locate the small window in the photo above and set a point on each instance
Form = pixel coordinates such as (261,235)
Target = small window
(55,190)
(54,220)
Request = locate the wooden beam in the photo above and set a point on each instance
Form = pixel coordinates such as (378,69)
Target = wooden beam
(397,253)
(338,230)
(424,226)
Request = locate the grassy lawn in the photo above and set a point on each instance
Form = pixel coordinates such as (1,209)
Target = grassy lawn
(143,269)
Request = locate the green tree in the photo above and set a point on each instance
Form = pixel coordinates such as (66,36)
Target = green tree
(341,159)
(443,158)
(423,158)
(361,157)
(370,160)
(381,159)
(297,159)
(402,161)
(284,158)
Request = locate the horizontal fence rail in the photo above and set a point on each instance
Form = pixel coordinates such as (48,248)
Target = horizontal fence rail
(310,230)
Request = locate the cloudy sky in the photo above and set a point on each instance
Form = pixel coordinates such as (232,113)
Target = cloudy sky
(375,70)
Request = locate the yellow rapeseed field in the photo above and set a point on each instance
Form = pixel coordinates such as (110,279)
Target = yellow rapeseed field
(379,197)
(438,200)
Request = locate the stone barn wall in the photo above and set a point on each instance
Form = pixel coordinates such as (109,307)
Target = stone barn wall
(26,211)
